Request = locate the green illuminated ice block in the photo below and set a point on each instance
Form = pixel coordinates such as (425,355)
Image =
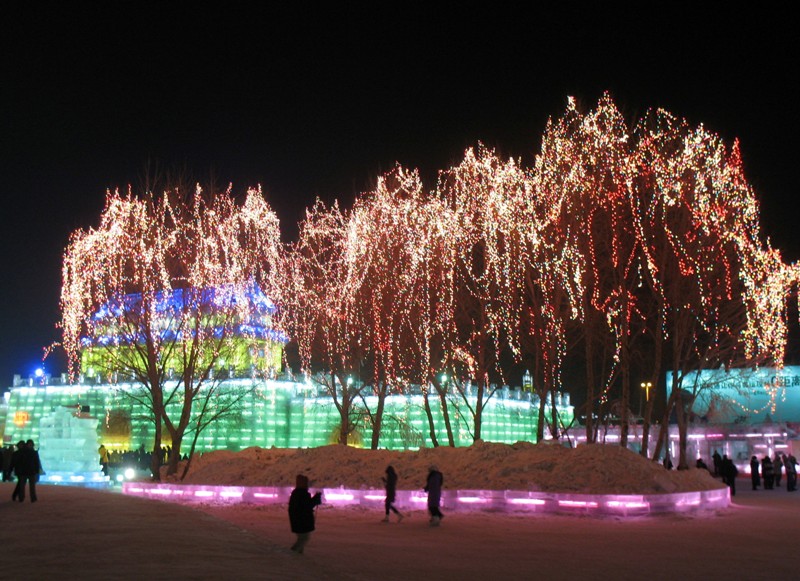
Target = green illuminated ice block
(276,413)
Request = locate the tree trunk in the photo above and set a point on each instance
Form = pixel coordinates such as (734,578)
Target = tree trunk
(344,409)
(428,412)
(192,448)
(646,428)
(541,421)
(590,430)
(377,419)
(446,416)
(663,432)
(174,454)
(442,391)
(683,427)
(657,353)
(478,410)
(155,458)
(626,382)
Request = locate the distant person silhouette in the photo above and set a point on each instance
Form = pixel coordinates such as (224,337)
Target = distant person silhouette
(777,466)
(433,487)
(390,483)
(729,473)
(103,458)
(755,478)
(768,472)
(301,512)
(27,467)
(16,469)
(790,465)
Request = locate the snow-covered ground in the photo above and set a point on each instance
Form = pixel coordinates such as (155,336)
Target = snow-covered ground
(592,469)
(84,534)
(88,534)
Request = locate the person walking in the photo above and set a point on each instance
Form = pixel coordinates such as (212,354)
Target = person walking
(8,451)
(790,465)
(16,469)
(717,462)
(729,473)
(433,487)
(754,475)
(390,483)
(301,512)
(777,466)
(767,472)
(103,459)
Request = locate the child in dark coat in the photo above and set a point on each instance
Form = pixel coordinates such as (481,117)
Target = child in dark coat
(301,512)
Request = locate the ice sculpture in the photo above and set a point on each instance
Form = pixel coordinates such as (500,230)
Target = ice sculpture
(68,446)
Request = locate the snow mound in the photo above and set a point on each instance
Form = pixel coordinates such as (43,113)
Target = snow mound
(546,467)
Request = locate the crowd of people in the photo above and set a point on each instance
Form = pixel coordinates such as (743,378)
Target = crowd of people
(139,459)
(771,470)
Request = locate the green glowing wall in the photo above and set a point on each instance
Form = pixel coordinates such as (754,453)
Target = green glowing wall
(280,414)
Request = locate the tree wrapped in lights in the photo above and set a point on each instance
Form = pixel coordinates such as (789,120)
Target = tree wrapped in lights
(426,337)
(171,285)
(720,293)
(552,284)
(614,247)
(484,196)
(583,177)
(391,221)
(320,310)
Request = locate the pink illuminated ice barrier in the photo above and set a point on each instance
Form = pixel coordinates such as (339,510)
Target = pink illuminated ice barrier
(452,500)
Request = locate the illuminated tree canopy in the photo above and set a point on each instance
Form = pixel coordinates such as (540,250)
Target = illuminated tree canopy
(172,284)
(630,250)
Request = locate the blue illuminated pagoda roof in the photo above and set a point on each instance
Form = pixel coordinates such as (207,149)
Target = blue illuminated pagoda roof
(176,301)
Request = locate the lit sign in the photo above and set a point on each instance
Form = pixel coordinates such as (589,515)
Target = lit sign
(21,418)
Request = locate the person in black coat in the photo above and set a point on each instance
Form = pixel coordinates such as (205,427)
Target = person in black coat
(16,469)
(301,512)
(26,465)
(790,465)
(729,473)
(717,462)
(390,482)
(433,487)
(754,475)
(777,466)
(767,472)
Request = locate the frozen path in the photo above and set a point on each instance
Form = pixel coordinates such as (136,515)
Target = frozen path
(755,538)
(75,533)
(96,535)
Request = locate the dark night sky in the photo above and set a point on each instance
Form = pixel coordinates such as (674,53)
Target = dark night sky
(313,101)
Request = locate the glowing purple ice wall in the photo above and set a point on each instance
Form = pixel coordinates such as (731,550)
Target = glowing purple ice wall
(453,500)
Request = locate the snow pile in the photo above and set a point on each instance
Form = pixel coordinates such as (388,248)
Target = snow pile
(546,467)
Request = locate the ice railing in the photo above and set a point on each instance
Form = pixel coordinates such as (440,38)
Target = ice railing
(453,500)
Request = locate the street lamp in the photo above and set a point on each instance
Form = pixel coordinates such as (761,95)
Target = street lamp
(646,387)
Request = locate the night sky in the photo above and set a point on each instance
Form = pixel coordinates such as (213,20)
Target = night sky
(313,101)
